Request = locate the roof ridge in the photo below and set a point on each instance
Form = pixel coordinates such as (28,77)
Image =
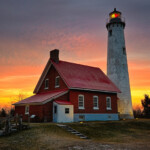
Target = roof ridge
(78,64)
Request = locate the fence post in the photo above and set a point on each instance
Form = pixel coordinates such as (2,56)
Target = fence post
(7,126)
(20,122)
(28,120)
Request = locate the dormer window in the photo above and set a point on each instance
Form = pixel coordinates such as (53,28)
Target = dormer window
(57,82)
(46,83)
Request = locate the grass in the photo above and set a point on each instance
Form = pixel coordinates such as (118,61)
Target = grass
(41,136)
(133,134)
(119,131)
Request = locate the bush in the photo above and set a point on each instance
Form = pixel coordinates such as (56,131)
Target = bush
(12,112)
(137,113)
(3,113)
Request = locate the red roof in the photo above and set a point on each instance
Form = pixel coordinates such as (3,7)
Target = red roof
(78,76)
(43,97)
(62,102)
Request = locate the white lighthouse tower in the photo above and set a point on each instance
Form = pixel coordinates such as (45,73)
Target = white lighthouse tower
(117,66)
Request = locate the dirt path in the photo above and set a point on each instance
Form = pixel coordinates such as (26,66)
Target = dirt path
(109,146)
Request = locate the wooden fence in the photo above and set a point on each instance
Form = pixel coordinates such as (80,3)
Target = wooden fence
(11,124)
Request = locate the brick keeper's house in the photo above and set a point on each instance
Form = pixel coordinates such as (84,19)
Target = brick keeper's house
(69,92)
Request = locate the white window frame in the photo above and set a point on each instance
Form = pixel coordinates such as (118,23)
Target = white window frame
(97,107)
(81,107)
(57,78)
(46,87)
(108,108)
(27,109)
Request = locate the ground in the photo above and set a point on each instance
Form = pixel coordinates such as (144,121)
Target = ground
(126,135)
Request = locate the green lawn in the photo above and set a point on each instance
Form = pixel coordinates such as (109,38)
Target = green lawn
(133,134)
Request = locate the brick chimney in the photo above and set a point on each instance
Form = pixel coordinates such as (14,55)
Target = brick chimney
(54,55)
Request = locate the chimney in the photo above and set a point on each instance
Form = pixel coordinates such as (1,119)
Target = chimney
(54,55)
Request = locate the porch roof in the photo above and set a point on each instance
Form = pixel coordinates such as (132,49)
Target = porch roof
(61,102)
(43,97)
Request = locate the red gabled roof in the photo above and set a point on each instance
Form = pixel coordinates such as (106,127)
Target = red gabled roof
(62,102)
(43,97)
(78,76)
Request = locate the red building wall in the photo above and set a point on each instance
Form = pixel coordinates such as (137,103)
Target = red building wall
(51,75)
(43,112)
(88,101)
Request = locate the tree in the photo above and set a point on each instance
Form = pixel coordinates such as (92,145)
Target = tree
(17,98)
(146,106)
(12,112)
(3,113)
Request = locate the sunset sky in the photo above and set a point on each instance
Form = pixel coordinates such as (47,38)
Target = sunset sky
(29,29)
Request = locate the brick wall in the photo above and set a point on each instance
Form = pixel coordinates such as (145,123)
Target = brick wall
(51,75)
(88,102)
(43,112)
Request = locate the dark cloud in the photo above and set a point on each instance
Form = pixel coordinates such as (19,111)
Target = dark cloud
(26,24)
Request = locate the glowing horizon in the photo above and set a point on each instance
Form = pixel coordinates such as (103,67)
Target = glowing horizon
(27,83)
(30,30)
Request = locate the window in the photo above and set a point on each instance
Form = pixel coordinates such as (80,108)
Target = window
(46,83)
(108,103)
(110,32)
(27,109)
(57,81)
(66,110)
(95,102)
(81,117)
(55,109)
(124,50)
(81,101)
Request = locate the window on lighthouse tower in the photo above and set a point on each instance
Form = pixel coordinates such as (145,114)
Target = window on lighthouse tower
(124,50)
(110,32)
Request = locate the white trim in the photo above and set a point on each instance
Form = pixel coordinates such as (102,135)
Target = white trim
(96,108)
(58,77)
(108,98)
(45,84)
(79,107)
(92,90)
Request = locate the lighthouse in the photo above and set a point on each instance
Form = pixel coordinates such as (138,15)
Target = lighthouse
(117,66)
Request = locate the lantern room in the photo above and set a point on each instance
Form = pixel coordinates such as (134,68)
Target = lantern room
(115,14)
(115,18)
